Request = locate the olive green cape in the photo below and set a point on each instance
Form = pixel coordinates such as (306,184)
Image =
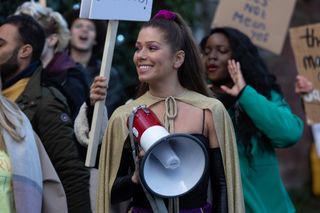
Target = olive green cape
(117,133)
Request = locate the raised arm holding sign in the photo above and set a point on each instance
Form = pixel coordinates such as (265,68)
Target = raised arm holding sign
(112,11)
(98,109)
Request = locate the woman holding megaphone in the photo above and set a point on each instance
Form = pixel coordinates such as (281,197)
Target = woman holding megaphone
(174,91)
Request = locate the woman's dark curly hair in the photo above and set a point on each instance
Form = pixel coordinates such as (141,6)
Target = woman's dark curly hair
(255,73)
(254,70)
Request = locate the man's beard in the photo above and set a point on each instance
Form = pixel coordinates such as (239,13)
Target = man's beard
(10,67)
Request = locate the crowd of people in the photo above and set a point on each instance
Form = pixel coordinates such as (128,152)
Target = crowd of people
(49,68)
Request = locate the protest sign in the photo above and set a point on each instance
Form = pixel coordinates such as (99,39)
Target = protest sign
(112,10)
(264,21)
(305,42)
(129,10)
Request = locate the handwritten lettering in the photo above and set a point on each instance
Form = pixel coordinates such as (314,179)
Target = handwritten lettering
(140,1)
(260,36)
(255,10)
(310,39)
(314,96)
(311,62)
(257,28)
(248,22)
(263,3)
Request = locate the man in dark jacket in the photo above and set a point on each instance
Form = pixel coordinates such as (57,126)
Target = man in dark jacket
(86,44)
(21,43)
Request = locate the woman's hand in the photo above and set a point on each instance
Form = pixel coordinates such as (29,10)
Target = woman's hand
(237,78)
(98,89)
(303,85)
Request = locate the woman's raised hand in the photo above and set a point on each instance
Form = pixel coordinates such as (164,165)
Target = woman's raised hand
(237,78)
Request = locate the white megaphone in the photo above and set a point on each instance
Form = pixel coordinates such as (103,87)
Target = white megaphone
(173,163)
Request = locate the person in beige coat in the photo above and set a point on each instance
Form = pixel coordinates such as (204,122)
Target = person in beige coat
(170,70)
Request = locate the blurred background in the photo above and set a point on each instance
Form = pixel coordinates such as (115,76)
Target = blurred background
(295,162)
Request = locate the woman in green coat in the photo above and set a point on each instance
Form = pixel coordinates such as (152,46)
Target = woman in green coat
(262,119)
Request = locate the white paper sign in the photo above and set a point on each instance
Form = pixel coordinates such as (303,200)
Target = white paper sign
(316,136)
(85,8)
(130,10)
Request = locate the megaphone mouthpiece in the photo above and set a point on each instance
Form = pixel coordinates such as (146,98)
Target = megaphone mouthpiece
(164,153)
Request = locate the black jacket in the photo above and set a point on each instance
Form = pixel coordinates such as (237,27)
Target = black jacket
(71,79)
(47,110)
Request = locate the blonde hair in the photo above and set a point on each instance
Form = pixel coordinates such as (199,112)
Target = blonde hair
(10,120)
(51,21)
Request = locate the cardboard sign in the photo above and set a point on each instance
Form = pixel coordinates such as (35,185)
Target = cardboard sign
(130,10)
(264,21)
(305,42)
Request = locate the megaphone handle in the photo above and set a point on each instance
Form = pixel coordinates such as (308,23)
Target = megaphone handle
(133,147)
(156,203)
(174,205)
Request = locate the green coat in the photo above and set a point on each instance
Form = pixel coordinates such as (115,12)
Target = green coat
(263,189)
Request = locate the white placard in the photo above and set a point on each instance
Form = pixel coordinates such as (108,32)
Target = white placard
(316,137)
(130,10)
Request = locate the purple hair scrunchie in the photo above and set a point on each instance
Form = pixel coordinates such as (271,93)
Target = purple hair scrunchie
(165,14)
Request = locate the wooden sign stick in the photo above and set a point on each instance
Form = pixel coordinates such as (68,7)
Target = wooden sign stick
(98,108)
